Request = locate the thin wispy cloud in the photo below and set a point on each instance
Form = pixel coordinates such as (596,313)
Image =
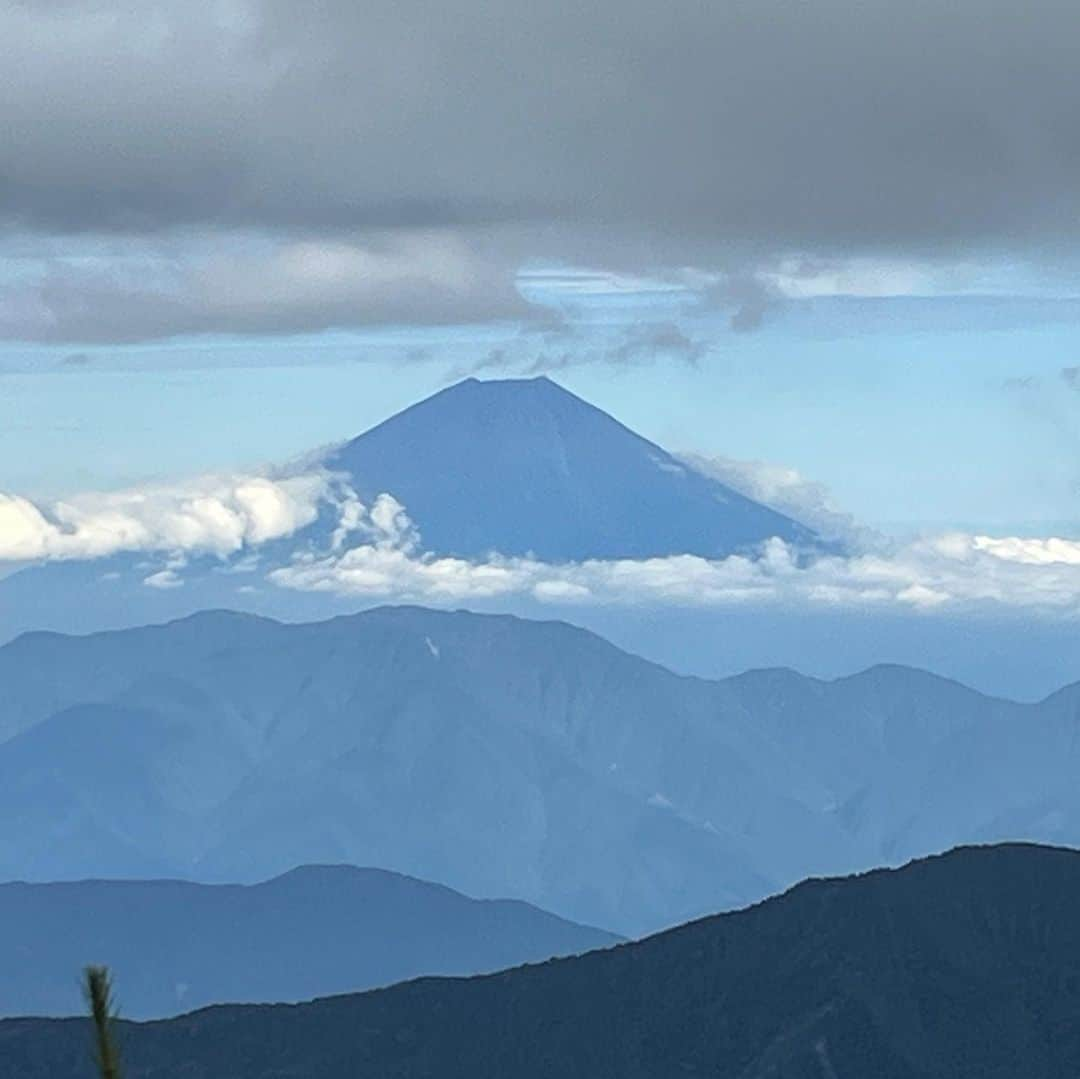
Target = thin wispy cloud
(567,346)
(787,490)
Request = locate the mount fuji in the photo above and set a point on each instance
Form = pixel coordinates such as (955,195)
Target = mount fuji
(524,467)
(505,467)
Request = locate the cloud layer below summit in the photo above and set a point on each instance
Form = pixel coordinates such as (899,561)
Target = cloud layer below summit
(936,573)
(376,552)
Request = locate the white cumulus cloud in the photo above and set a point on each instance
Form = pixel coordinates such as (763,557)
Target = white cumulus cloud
(937,573)
(375,551)
(218,514)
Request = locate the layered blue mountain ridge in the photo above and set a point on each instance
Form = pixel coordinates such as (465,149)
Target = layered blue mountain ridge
(313,931)
(501,757)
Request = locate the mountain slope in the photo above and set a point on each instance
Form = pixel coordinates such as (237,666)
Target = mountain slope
(314,931)
(453,747)
(965,966)
(522,466)
(503,758)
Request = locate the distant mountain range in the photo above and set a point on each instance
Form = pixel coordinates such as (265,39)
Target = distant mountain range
(965,966)
(503,758)
(514,467)
(317,930)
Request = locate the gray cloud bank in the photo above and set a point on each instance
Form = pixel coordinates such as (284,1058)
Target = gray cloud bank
(399,159)
(833,122)
(291,286)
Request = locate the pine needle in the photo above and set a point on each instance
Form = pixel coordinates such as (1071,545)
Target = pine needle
(97,988)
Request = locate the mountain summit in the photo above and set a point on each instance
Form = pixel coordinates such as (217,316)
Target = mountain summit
(523,466)
(515,467)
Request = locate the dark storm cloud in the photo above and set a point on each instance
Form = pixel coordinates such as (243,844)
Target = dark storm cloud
(840,123)
(334,163)
(204,286)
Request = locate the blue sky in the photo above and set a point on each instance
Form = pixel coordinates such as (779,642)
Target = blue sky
(915,412)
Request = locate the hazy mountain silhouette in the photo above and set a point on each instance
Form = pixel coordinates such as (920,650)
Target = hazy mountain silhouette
(503,758)
(965,966)
(523,466)
(314,931)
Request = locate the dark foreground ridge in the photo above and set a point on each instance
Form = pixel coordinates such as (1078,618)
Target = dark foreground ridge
(962,966)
